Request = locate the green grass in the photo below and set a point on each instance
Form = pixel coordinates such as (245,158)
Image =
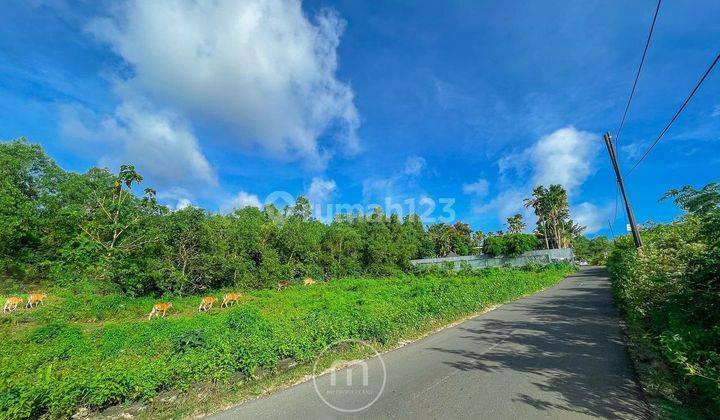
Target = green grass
(96,351)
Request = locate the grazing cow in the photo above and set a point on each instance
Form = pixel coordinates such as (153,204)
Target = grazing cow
(12,303)
(34,299)
(160,308)
(230,299)
(207,303)
(283,284)
(308,281)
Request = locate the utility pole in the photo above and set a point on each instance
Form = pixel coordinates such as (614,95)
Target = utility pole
(631,216)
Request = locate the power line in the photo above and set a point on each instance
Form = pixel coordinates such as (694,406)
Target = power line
(677,113)
(632,94)
(637,75)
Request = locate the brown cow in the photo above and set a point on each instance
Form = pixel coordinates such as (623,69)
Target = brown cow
(230,299)
(207,303)
(160,308)
(12,303)
(34,299)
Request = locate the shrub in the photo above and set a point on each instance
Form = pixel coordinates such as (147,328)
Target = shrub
(669,295)
(248,321)
(510,245)
(188,340)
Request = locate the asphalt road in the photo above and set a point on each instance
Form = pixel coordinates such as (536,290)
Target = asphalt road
(556,354)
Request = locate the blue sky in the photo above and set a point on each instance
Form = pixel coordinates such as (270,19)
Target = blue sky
(221,103)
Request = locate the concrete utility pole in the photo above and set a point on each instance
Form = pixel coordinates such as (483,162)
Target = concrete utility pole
(631,216)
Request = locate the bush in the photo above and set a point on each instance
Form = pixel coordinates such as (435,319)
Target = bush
(188,340)
(510,245)
(670,295)
(248,321)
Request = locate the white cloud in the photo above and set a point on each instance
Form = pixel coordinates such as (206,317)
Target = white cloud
(716,111)
(508,203)
(161,147)
(479,188)
(175,198)
(183,203)
(591,216)
(564,157)
(414,165)
(258,66)
(239,201)
(633,150)
(320,190)
(378,187)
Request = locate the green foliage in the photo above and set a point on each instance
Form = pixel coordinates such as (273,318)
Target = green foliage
(515,224)
(552,209)
(594,251)
(189,340)
(248,321)
(510,245)
(670,295)
(55,358)
(452,239)
(103,250)
(59,227)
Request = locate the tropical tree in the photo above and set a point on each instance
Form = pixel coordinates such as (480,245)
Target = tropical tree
(595,251)
(551,207)
(417,241)
(27,178)
(568,229)
(478,238)
(461,236)
(302,209)
(515,224)
(341,248)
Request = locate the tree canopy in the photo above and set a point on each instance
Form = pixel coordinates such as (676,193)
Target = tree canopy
(63,226)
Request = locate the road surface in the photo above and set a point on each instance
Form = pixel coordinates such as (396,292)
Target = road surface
(556,354)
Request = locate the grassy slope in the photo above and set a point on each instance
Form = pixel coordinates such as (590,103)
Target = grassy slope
(95,351)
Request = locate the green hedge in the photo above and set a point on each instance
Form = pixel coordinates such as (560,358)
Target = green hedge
(670,296)
(70,362)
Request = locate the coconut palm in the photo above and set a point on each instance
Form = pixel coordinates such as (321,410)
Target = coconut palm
(553,212)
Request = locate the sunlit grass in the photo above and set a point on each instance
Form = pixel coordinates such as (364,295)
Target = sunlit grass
(82,349)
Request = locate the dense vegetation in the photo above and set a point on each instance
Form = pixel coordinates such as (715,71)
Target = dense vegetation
(594,251)
(96,350)
(58,227)
(554,226)
(670,294)
(103,249)
(511,244)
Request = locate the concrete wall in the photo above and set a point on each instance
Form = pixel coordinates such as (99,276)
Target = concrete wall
(543,256)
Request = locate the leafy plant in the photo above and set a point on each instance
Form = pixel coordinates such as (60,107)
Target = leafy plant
(188,340)
(670,292)
(510,245)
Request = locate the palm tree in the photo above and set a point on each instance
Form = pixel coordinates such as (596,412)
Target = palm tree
(569,229)
(515,224)
(539,202)
(558,209)
(553,212)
